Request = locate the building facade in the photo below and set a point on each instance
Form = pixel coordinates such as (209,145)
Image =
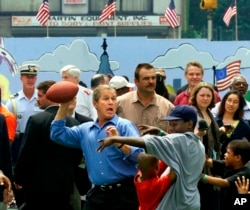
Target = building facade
(81,18)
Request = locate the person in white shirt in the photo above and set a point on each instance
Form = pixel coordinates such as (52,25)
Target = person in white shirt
(84,104)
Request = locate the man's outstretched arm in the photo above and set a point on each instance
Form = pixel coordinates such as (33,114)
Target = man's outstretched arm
(132,141)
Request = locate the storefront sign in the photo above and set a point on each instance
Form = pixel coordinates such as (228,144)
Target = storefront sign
(91,21)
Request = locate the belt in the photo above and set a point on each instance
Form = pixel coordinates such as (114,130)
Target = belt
(114,185)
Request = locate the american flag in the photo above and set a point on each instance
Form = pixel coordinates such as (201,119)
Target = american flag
(108,11)
(224,76)
(171,15)
(43,13)
(231,11)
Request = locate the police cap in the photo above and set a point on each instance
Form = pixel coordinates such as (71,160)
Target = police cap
(29,69)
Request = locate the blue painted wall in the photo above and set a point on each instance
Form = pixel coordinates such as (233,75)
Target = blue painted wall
(124,54)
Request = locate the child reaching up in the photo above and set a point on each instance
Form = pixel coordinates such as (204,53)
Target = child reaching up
(236,164)
(151,187)
(153,179)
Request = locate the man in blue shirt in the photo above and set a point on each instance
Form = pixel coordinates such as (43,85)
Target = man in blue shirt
(181,150)
(111,171)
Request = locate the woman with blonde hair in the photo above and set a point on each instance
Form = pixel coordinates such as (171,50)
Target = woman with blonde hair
(202,100)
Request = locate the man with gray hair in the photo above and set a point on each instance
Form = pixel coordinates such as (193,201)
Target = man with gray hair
(84,104)
(239,83)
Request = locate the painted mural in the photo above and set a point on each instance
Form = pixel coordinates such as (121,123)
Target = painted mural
(119,54)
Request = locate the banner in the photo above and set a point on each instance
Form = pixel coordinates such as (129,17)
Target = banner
(91,21)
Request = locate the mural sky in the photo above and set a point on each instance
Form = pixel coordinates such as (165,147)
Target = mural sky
(51,54)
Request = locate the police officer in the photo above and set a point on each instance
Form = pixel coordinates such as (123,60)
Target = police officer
(84,105)
(23,104)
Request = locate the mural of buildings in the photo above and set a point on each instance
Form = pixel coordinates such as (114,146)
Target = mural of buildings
(124,54)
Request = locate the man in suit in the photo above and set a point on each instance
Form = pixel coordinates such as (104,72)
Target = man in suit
(45,170)
(23,104)
(5,157)
(82,182)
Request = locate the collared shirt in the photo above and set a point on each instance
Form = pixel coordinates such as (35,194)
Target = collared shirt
(131,108)
(84,104)
(183,98)
(246,110)
(106,167)
(24,108)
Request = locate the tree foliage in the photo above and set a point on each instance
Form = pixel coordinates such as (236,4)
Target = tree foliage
(198,21)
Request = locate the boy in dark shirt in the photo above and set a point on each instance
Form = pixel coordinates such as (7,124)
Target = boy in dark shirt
(236,164)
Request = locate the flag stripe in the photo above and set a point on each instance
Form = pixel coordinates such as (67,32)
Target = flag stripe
(231,11)
(171,15)
(43,13)
(232,69)
(108,11)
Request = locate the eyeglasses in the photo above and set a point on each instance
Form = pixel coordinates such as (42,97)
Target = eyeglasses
(160,77)
(238,84)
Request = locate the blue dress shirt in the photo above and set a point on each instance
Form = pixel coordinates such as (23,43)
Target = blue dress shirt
(106,167)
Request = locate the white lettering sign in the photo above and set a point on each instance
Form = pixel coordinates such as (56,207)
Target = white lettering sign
(91,21)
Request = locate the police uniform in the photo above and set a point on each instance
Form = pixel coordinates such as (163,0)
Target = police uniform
(21,106)
(84,105)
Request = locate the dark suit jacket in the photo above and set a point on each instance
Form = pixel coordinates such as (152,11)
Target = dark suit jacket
(82,181)
(82,118)
(43,165)
(5,158)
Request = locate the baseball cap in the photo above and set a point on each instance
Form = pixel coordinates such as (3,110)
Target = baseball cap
(119,82)
(29,69)
(182,112)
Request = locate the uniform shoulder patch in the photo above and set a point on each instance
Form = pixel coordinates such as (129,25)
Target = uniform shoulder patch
(87,91)
(14,95)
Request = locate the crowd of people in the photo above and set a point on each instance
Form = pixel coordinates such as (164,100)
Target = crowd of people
(121,145)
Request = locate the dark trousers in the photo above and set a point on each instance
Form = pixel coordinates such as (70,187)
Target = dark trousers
(47,201)
(209,197)
(123,197)
(15,148)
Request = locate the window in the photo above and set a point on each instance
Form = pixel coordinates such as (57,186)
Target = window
(27,5)
(124,6)
(135,5)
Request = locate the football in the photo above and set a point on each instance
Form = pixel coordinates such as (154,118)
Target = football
(62,92)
